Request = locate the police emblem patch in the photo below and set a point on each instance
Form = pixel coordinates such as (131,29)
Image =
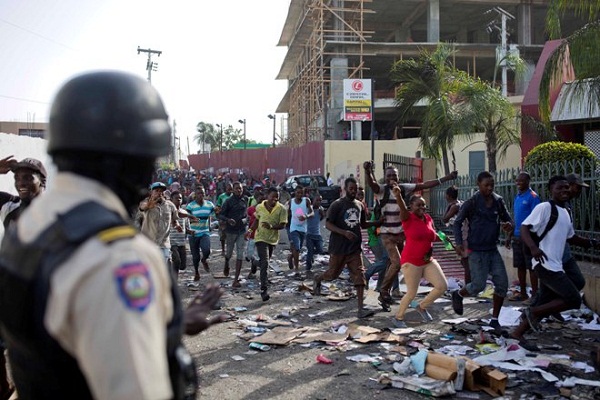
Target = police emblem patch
(134,285)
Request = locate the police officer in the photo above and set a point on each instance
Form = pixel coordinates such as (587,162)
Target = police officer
(87,307)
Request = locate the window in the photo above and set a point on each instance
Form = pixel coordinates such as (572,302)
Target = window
(476,162)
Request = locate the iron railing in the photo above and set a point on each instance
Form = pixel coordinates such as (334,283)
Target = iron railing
(586,215)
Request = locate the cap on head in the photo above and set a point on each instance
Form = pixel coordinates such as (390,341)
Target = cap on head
(109,112)
(30,163)
(158,185)
(576,179)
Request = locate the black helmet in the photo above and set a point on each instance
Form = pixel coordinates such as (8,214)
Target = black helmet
(109,112)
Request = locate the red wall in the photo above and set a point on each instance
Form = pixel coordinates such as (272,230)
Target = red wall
(530,105)
(278,163)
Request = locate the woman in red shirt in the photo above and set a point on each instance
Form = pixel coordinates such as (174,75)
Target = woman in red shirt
(416,259)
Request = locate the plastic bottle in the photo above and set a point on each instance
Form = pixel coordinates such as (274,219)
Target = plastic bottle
(445,240)
(259,346)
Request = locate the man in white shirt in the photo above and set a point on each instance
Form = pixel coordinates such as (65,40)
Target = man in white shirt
(557,292)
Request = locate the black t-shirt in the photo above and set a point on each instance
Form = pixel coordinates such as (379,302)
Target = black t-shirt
(347,215)
(235,208)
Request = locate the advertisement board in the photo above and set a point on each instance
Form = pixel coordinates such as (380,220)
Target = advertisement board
(358,105)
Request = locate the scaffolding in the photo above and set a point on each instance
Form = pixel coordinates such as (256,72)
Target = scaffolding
(328,25)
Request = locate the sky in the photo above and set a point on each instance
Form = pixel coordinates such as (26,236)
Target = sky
(218,64)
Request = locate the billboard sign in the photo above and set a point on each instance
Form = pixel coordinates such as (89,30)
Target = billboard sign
(358,105)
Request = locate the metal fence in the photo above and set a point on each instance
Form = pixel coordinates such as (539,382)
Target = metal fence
(586,215)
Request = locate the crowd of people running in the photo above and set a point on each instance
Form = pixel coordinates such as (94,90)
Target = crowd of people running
(401,235)
(89,310)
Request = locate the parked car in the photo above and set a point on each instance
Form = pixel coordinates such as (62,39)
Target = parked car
(328,193)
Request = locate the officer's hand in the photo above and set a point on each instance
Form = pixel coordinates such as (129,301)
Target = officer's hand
(196,317)
(453,175)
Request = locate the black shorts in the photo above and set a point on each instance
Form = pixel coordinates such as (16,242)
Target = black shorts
(521,254)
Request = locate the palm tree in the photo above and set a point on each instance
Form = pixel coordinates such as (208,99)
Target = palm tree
(577,53)
(432,80)
(485,108)
(207,134)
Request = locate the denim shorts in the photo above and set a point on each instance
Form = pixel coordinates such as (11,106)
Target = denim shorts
(482,264)
(297,239)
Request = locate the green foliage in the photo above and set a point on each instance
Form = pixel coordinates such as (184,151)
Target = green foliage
(167,166)
(454,104)
(577,54)
(557,151)
(587,9)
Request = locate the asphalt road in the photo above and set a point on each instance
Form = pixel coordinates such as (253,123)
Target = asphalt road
(229,369)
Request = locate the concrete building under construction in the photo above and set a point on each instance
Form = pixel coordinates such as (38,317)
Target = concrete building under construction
(332,40)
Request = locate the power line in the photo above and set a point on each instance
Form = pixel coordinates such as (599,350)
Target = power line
(22,99)
(38,35)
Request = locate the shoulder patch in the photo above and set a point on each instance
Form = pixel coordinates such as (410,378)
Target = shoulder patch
(134,285)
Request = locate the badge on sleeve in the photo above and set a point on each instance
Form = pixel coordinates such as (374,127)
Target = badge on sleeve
(134,285)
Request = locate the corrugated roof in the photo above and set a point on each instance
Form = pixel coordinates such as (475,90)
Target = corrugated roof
(578,101)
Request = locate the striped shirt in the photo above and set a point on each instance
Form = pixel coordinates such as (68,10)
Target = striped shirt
(391,210)
(203,213)
(179,238)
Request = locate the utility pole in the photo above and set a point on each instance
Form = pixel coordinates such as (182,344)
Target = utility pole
(220,137)
(273,117)
(243,121)
(175,138)
(150,65)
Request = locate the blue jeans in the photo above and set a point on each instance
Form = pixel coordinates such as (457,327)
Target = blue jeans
(167,256)
(380,267)
(314,245)
(236,240)
(482,264)
(197,244)
(296,239)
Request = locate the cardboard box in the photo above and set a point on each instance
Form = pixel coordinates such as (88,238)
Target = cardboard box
(471,371)
(492,381)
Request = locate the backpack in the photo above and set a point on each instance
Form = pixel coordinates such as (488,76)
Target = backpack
(551,222)
(379,204)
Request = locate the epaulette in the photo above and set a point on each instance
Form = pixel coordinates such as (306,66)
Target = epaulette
(113,234)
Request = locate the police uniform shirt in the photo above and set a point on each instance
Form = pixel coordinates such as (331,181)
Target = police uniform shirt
(109,304)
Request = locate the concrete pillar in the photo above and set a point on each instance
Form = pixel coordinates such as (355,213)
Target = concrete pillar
(339,72)
(522,82)
(524,22)
(433,21)
(356,133)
